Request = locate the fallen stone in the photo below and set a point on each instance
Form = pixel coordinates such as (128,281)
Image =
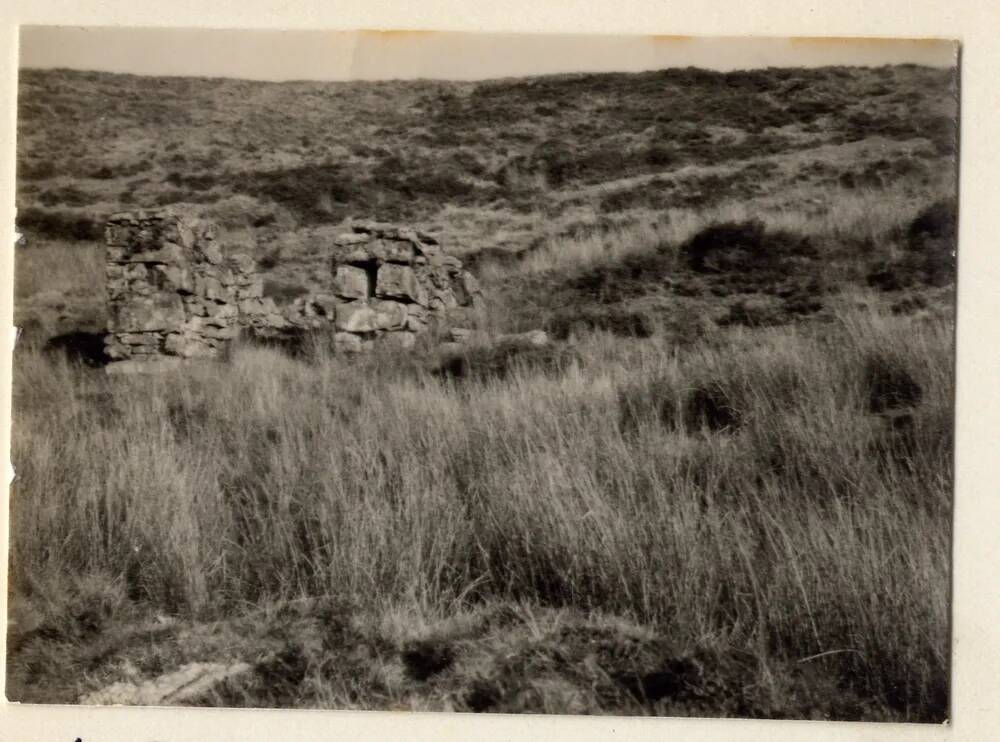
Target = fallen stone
(185,684)
(532,338)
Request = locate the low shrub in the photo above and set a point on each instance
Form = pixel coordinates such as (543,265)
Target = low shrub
(889,384)
(744,246)
(60,224)
(616,320)
(504,360)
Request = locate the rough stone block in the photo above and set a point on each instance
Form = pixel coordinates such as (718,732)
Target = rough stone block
(390,315)
(441,300)
(351,238)
(345,342)
(399,282)
(220,312)
(326,304)
(393,251)
(212,253)
(189,346)
(351,282)
(356,316)
(252,290)
(161,311)
(210,288)
(177,277)
(157,253)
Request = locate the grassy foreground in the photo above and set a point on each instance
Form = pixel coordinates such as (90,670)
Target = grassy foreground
(805,542)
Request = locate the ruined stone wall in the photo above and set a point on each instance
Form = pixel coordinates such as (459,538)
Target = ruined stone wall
(388,284)
(171,292)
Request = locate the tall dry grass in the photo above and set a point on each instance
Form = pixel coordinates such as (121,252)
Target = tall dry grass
(834,214)
(808,528)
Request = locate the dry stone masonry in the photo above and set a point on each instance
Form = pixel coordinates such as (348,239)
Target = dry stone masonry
(388,285)
(171,291)
(173,294)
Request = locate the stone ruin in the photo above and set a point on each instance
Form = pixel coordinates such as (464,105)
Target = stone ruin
(388,285)
(173,294)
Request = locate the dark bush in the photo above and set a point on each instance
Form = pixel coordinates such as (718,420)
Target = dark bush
(935,227)
(500,361)
(709,407)
(303,189)
(743,246)
(59,224)
(102,173)
(753,314)
(194,182)
(660,156)
(628,278)
(706,406)
(931,240)
(66,196)
(36,170)
(617,321)
(426,658)
(83,347)
(889,385)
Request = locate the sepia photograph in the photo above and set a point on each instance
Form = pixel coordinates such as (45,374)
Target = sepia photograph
(507,373)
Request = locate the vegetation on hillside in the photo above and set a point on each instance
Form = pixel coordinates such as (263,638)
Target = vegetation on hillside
(724,490)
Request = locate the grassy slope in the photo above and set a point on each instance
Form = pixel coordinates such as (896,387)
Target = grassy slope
(562,529)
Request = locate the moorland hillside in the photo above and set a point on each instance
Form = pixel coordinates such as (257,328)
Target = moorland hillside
(723,489)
